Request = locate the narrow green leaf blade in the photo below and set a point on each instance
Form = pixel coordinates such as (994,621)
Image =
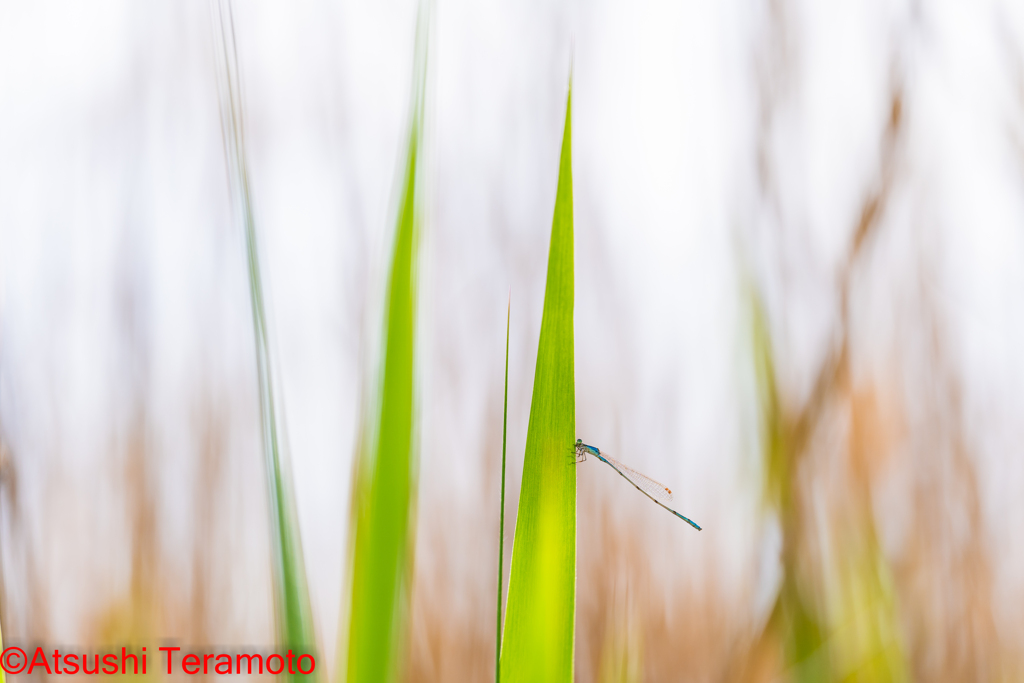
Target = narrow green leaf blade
(291,597)
(385,484)
(3,677)
(501,516)
(539,625)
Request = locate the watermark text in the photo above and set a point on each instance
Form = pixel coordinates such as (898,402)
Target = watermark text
(170,660)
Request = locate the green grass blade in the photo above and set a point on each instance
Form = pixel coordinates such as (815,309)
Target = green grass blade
(293,613)
(385,485)
(539,635)
(501,522)
(3,676)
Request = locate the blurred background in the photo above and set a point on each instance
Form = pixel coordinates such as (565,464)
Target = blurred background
(799,257)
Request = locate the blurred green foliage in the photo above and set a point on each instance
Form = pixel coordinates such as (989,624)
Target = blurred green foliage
(837,621)
(382,551)
(293,613)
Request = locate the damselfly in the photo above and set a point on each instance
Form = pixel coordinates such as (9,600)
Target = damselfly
(662,495)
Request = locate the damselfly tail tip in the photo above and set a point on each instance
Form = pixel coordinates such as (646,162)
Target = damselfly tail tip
(687,520)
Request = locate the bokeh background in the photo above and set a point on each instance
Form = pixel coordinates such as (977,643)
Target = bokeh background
(799,257)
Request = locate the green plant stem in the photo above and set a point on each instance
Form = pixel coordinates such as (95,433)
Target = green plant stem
(501,523)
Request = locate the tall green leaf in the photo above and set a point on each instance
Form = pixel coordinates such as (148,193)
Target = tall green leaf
(3,677)
(385,479)
(291,596)
(539,626)
(501,516)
